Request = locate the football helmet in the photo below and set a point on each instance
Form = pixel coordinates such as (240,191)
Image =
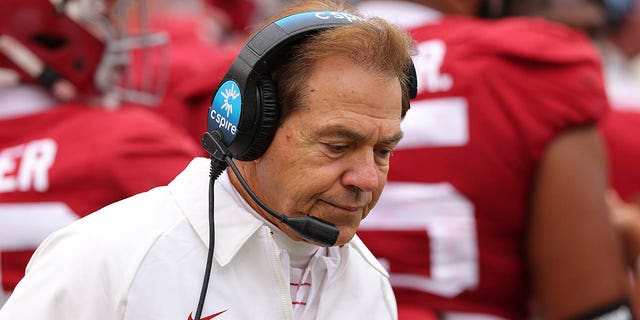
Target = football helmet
(90,48)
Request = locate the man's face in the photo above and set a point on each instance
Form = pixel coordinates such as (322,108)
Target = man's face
(330,158)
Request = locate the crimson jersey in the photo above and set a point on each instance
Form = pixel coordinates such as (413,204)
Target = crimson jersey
(71,160)
(620,130)
(451,222)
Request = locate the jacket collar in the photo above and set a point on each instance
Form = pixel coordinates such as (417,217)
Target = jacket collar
(233,221)
(233,224)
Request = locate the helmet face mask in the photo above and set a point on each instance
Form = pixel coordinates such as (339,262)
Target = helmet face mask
(86,43)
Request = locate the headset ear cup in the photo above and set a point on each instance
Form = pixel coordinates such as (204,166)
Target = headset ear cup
(412,78)
(267,99)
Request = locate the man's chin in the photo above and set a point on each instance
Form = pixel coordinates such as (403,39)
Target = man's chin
(346,234)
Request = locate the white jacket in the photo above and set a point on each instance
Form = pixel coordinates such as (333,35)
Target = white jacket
(144,258)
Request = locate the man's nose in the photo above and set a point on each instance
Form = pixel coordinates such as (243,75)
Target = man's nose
(362,172)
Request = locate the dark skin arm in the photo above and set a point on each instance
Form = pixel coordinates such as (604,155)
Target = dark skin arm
(626,218)
(575,256)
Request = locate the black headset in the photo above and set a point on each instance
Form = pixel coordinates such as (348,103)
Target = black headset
(244,109)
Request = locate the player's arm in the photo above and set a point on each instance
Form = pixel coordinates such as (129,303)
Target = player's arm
(626,218)
(575,257)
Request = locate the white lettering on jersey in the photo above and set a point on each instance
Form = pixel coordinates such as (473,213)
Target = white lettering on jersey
(428,63)
(26,167)
(440,122)
(449,220)
(24,226)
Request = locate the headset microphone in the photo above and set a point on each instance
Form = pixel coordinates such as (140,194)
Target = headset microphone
(311,228)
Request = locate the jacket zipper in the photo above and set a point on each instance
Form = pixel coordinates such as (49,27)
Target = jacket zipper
(285,295)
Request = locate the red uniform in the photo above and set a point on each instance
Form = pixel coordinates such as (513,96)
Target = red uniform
(620,130)
(71,160)
(451,222)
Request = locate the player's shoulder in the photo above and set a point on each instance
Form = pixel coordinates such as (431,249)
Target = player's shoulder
(125,119)
(134,124)
(524,38)
(541,40)
(101,112)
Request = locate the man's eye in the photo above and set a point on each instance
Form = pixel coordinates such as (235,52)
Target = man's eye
(337,147)
(384,152)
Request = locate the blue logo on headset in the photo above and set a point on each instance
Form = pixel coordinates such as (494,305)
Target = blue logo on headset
(224,114)
(299,20)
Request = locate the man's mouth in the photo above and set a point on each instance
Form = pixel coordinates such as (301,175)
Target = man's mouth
(346,207)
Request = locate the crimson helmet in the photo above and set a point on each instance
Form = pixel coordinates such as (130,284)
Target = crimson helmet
(86,44)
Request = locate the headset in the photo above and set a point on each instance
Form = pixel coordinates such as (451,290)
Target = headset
(244,108)
(244,115)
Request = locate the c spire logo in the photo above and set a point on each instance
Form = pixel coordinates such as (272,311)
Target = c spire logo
(227,94)
(224,114)
(303,20)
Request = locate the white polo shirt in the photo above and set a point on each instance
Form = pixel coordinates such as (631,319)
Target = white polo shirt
(144,258)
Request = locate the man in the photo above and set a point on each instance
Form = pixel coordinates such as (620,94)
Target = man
(67,144)
(618,41)
(495,207)
(342,90)
(615,34)
(619,130)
